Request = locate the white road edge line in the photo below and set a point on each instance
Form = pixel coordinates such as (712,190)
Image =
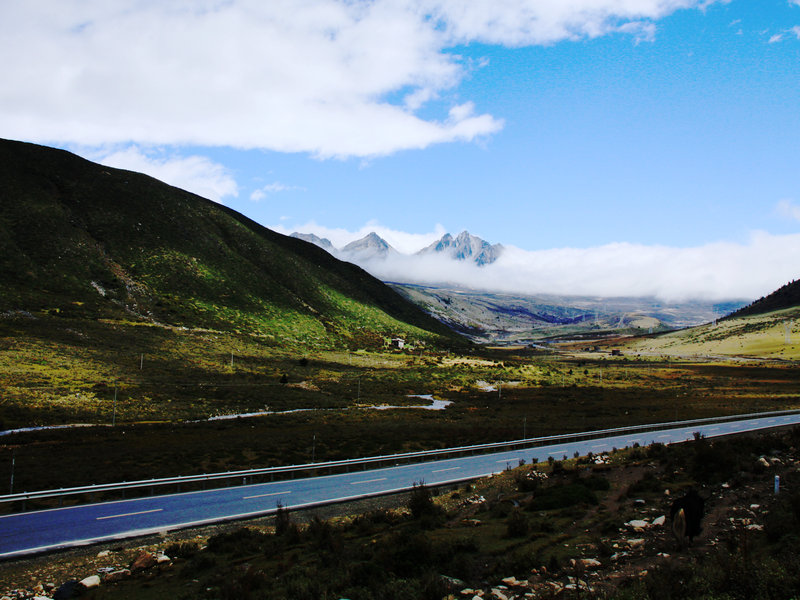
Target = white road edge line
(443,470)
(131,514)
(367,481)
(265,495)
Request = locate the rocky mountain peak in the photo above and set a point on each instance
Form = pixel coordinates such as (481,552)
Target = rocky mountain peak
(465,247)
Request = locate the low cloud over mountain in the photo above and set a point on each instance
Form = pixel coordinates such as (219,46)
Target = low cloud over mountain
(715,271)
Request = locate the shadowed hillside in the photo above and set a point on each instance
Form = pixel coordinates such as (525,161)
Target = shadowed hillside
(83,240)
(787,296)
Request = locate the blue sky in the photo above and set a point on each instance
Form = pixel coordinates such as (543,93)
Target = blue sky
(637,134)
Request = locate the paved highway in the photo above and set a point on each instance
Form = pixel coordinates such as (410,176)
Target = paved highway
(45,530)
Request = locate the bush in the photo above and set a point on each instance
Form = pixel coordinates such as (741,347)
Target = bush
(182,549)
(420,501)
(516,524)
(563,496)
(241,542)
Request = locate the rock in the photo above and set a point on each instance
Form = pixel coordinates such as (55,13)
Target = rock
(115,576)
(69,589)
(514,582)
(104,554)
(636,543)
(144,561)
(498,594)
(755,506)
(163,559)
(91,582)
(639,502)
(638,524)
(763,462)
(556,586)
(755,527)
(590,563)
(659,521)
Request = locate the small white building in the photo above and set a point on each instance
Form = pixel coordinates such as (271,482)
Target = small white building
(398,343)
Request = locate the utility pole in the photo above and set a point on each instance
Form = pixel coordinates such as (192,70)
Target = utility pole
(231,358)
(141,361)
(524,426)
(314,449)
(114,416)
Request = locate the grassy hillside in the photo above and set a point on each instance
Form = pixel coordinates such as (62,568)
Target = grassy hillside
(82,240)
(768,336)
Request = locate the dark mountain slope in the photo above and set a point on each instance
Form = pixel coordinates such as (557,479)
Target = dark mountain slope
(82,239)
(787,296)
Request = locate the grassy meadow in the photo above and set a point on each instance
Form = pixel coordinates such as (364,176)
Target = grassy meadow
(170,381)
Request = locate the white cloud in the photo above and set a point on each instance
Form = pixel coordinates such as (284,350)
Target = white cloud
(796,29)
(716,271)
(774,39)
(197,174)
(287,75)
(787,208)
(273,188)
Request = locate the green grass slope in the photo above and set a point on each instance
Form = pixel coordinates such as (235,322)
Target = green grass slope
(78,239)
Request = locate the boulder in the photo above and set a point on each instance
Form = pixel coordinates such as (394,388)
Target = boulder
(591,563)
(90,582)
(115,576)
(69,589)
(659,521)
(144,561)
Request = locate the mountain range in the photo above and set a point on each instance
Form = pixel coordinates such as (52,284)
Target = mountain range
(463,247)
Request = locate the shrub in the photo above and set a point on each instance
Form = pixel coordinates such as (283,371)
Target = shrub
(516,524)
(420,501)
(562,496)
(182,549)
(241,542)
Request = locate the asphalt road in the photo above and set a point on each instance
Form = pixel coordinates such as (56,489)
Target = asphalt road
(45,530)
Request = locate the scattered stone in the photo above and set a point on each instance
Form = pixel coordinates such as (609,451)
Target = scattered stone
(144,561)
(163,559)
(638,524)
(763,462)
(498,594)
(115,576)
(755,506)
(104,554)
(659,521)
(69,589)
(591,563)
(636,543)
(755,527)
(639,502)
(91,582)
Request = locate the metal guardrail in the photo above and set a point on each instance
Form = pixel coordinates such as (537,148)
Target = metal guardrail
(372,460)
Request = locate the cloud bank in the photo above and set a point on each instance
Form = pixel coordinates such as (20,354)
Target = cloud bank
(196,174)
(716,271)
(334,78)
